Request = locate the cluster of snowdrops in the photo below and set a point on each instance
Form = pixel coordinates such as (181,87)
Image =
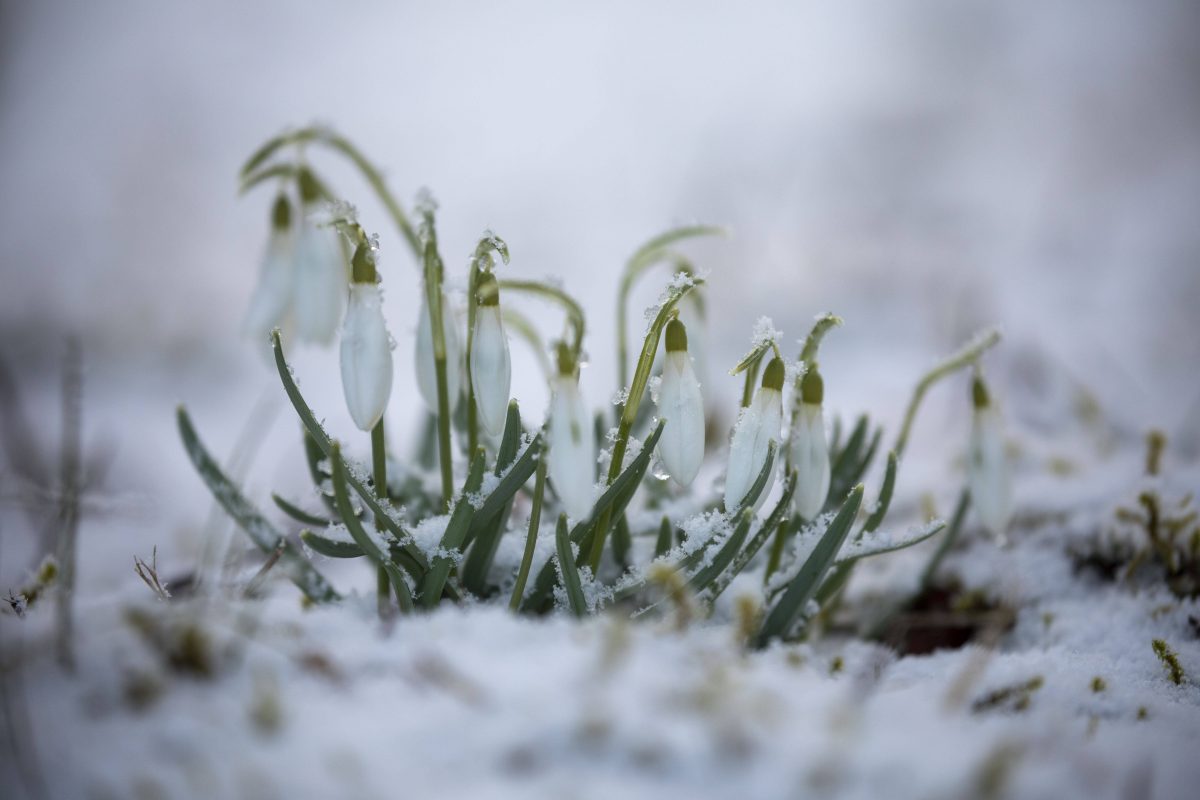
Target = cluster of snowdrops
(588,476)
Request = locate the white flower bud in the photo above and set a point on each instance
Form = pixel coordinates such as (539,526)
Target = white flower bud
(366,356)
(320,283)
(491,367)
(426,374)
(987,465)
(757,426)
(572,453)
(680,403)
(808,450)
(272,298)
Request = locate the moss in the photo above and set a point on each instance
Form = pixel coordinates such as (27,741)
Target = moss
(836,665)
(1171,661)
(1099,684)
(1016,697)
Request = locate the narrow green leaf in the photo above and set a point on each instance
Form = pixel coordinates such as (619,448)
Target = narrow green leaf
(568,571)
(298,514)
(758,540)
(330,547)
(663,543)
(452,539)
(262,533)
(614,500)
(806,582)
(724,556)
(885,496)
(487,527)
(322,441)
(359,534)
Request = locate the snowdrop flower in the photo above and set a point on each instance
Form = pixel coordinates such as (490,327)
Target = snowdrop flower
(319,292)
(757,426)
(426,373)
(366,347)
(987,464)
(809,453)
(272,298)
(681,447)
(491,368)
(691,314)
(572,454)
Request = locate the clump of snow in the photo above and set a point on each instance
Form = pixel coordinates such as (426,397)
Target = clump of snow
(427,534)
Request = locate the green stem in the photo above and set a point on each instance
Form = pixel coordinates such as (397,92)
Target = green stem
(433,297)
(472,306)
(379,473)
(535,520)
(650,254)
(339,143)
(573,310)
(968,355)
(637,389)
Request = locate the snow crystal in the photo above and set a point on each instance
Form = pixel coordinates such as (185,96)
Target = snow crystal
(427,534)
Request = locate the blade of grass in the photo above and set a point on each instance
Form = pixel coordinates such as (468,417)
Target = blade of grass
(262,533)
(298,514)
(567,570)
(806,582)
(456,532)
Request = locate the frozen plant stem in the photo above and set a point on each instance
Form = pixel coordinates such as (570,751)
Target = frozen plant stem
(966,356)
(641,377)
(647,256)
(338,143)
(69,500)
(379,474)
(433,296)
(535,520)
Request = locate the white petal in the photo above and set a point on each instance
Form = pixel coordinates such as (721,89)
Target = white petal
(273,294)
(987,472)
(366,357)
(572,454)
(810,457)
(426,374)
(682,406)
(491,369)
(320,284)
(757,426)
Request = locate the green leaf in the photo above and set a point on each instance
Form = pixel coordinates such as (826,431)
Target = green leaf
(262,533)
(758,540)
(359,534)
(330,547)
(724,556)
(885,496)
(665,535)
(456,533)
(487,527)
(806,582)
(323,443)
(568,571)
(615,499)
(865,548)
(298,514)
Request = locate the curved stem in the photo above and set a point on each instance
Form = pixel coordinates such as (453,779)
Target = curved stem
(968,355)
(343,145)
(645,257)
(637,389)
(573,310)
(433,296)
(379,473)
(535,520)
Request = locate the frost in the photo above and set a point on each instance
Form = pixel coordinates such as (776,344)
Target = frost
(654,384)
(620,397)
(765,333)
(427,534)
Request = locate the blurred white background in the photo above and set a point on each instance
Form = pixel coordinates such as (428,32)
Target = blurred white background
(922,168)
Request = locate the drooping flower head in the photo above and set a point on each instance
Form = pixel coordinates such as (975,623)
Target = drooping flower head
(366,348)
(808,450)
(491,367)
(758,425)
(987,463)
(272,298)
(319,291)
(572,453)
(681,405)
